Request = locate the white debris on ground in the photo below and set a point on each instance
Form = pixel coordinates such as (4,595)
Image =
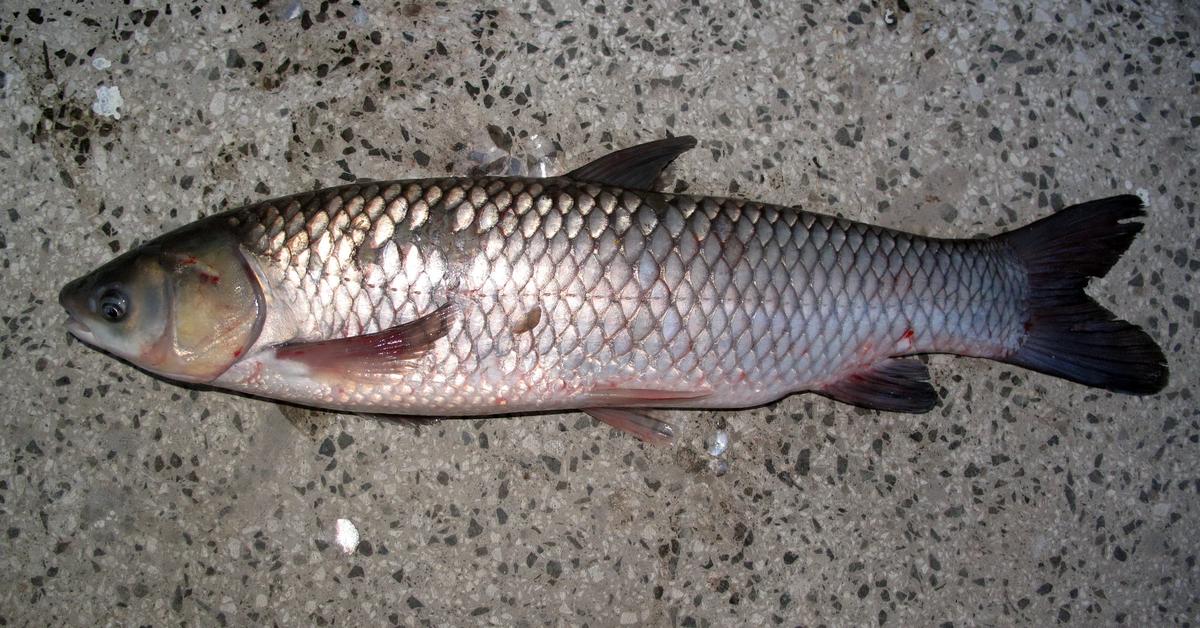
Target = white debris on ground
(108,101)
(293,10)
(360,17)
(346,535)
(716,445)
(100,63)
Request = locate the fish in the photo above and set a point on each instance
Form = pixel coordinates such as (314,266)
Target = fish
(598,291)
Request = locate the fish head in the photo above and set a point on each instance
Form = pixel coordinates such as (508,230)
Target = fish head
(186,306)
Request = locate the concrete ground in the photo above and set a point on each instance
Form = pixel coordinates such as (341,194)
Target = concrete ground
(1021,499)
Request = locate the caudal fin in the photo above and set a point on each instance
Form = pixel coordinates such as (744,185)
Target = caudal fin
(1069,334)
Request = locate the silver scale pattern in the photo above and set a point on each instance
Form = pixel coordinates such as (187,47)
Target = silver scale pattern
(638,290)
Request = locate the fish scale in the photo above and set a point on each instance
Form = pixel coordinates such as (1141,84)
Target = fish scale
(748,300)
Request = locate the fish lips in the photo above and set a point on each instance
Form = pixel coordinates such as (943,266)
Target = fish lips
(68,298)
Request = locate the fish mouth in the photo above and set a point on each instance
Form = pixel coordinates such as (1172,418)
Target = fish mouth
(69,300)
(80,330)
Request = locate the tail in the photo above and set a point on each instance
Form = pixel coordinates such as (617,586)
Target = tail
(1069,335)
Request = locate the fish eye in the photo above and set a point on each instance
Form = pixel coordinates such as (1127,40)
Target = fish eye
(113,305)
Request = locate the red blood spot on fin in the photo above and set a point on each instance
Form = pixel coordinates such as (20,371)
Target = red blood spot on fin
(372,355)
(637,422)
(908,334)
(210,278)
(188,260)
(237,354)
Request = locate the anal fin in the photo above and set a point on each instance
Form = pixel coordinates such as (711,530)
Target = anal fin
(635,421)
(372,355)
(895,385)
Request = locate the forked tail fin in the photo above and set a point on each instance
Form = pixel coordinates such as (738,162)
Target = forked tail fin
(1069,335)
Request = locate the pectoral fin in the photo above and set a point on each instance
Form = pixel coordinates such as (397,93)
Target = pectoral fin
(895,384)
(372,355)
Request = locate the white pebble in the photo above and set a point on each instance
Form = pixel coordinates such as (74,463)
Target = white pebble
(108,100)
(100,63)
(346,535)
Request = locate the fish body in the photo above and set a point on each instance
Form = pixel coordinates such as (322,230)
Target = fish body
(595,291)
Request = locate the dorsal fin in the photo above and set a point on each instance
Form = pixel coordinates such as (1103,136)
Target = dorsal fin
(636,167)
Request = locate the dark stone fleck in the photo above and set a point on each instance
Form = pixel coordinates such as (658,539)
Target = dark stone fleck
(843,137)
(803,465)
(327,448)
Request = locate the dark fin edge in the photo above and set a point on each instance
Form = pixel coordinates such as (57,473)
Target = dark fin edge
(895,385)
(637,167)
(1070,335)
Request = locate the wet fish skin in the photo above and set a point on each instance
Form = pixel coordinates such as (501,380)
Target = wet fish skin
(475,296)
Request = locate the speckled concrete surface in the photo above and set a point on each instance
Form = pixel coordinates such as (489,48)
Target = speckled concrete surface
(1021,499)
